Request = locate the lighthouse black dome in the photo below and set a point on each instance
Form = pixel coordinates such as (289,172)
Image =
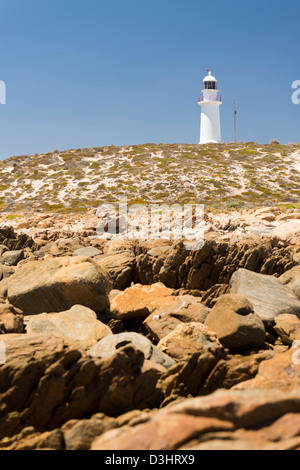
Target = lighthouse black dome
(210,83)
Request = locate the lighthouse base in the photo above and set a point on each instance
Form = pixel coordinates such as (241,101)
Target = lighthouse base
(203,142)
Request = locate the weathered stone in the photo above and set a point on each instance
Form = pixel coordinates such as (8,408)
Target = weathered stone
(11,319)
(234,370)
(79,434)
(14,241)
(49,391)
(286,234)
(56,285)
(158,251)
(211,296)
(292,280)
(235,324)
(120,266)
(282,372)
(167,268)
(26,347)
(189,376)
(139,301)
(6,271)
(288,328)
(213,264)
(3,249)
(114,293)
(188,339)
(87,252)
(181,309)
(12,258)
(269,296)
(109,346)
(214,416)
(29,439)
(117,245)
(283,434)
(78,326)
(159,434)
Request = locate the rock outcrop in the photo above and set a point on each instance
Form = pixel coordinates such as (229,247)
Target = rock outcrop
(55,285)
(149,345)
(223,420)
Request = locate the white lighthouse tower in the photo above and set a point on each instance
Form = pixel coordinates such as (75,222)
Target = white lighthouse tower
(210,128)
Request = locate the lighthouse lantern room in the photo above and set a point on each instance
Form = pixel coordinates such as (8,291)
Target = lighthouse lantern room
(210,127)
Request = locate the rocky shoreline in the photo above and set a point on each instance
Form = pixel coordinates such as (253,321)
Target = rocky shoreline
(147,345)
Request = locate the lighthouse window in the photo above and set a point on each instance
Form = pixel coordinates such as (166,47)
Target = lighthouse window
(210,85)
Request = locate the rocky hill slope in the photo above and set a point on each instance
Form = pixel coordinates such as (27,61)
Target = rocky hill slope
(221,175)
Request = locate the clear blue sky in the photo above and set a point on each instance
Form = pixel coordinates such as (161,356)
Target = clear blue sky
(92,73)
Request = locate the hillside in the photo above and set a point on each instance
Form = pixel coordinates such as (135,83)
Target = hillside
(223,176)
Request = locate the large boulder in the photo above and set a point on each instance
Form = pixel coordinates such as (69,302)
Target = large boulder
(78,326)
(55,285)
(235,324)
(109,346)
(269,296)
(139,301)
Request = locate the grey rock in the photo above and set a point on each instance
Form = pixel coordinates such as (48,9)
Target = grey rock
(292,280)
(258,230)
(110,344)
(269,296)
(88,251)
(12,258)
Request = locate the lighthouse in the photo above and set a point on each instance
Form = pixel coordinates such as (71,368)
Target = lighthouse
(210,127)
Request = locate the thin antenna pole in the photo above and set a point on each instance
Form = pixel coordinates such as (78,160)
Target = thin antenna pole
(235,113)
